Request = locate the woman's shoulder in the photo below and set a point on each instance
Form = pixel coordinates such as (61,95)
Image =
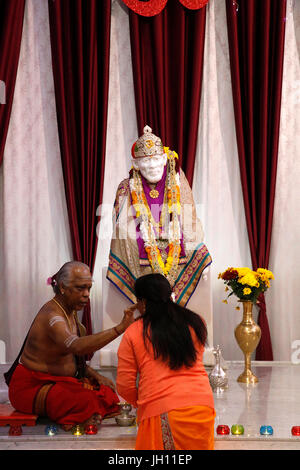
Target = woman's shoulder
(135,328)
(134,334)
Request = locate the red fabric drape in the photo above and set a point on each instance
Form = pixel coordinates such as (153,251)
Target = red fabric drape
(256,44)
(167,57)
(11,27)
(80,40)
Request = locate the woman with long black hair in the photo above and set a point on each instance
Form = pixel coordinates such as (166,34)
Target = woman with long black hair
(163,349)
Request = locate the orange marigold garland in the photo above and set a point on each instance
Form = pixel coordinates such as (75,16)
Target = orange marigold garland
(148,225)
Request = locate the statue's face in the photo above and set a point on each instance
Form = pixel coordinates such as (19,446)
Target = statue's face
(151,168)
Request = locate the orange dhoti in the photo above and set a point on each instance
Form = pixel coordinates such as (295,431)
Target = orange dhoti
(190,428)
(65,400)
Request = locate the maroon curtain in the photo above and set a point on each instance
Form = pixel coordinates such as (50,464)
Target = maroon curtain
(11,27)
(256,44)
(80,39)
(167,58)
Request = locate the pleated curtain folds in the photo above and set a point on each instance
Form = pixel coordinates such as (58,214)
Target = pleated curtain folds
(256,33)
(167,59)
(167,53)
(11,27)
(80,40)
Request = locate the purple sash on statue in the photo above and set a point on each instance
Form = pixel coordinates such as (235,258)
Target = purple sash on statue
(155,206)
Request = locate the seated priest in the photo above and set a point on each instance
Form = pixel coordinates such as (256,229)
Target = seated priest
(50,376)
(156,229)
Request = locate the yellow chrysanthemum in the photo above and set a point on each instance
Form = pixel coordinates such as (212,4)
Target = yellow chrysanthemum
(246,291)
(250,280)
(268,274)
(265,280)
(243,271)
(246,282)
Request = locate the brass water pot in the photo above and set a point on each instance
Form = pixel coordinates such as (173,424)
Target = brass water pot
(247,334)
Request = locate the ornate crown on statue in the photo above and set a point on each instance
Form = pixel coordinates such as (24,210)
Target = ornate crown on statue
(148,144)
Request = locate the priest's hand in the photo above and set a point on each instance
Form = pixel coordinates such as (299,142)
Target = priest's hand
(99,379)
(127,319)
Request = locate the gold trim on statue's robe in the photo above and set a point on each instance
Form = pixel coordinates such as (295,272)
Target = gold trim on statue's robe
(125,265)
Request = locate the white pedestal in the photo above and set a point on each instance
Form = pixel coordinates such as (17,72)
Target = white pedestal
(114,303)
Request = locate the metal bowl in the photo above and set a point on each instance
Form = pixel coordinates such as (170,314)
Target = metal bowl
(125,420)
(125,407)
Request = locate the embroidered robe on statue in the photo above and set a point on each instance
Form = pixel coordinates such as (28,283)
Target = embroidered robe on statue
(128,259)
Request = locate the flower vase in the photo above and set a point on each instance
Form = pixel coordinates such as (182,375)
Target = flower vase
(247,335)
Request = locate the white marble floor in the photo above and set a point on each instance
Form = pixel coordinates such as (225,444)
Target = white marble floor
(273,401)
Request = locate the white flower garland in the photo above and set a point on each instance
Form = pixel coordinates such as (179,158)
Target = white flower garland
(172,191)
